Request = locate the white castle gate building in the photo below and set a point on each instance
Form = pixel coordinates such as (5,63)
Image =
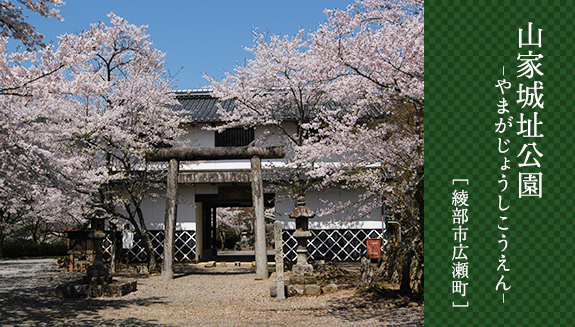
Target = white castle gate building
(206,185)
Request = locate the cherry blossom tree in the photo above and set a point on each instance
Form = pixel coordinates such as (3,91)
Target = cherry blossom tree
(233,217)
(33,186)
(235,220)
(13,19)
(278,85)
(120,107)
(354,87)
(282,91)
(357,80)
(231,221)
(378,47)
(76,120)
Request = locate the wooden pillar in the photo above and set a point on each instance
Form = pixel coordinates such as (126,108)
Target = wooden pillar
(170,221)
(214,232)
(207,248)
(199,231)
(280,287)
(260,223)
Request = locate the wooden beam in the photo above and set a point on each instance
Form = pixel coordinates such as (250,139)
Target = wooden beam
(214,177)
(226,153)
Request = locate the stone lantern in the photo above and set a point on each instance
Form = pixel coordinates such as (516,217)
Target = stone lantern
(302,214)
(97,281)
(97,273)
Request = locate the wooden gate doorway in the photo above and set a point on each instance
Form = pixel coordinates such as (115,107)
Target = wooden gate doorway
(206,221)
(175,155)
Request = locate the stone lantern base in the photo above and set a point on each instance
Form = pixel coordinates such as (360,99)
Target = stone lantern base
(302,274)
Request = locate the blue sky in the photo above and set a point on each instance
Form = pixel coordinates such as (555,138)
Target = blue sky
(197,36)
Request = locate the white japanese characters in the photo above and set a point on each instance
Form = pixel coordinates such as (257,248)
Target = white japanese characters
(528,127)
(460,264)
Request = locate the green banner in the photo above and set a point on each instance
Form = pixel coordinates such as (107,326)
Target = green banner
(499,151)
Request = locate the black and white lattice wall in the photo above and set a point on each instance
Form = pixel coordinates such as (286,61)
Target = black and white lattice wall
(331,245)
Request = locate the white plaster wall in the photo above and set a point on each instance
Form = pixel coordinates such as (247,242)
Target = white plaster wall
(273,140)
(155,210)
(203,138)
(314,200)
(200,137)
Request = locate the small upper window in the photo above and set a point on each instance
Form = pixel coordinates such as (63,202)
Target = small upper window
(235,137)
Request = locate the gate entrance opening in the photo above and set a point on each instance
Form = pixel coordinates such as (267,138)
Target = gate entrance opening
(207,247)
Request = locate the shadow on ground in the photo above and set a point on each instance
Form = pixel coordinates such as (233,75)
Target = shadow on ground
(36,307)
(380,305)
(182,270)
(360,311)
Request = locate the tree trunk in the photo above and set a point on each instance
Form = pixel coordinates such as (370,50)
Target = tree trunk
(408,277)
(419,197)
(405,286)
(147,242)
(367,272)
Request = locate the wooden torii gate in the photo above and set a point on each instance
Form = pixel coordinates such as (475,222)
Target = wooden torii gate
(175,155)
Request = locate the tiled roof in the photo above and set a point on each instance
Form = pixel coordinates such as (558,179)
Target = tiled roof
(200,105)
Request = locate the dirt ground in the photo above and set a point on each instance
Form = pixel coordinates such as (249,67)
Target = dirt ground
(197,296)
